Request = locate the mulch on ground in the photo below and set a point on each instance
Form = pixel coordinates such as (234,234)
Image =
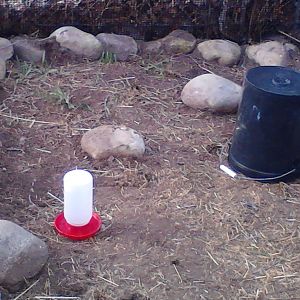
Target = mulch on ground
(175,226)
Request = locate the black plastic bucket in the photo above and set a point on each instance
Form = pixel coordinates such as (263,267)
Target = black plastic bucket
(266,141)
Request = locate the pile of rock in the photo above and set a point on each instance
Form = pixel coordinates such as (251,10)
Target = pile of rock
(86,45)
(70,40)
(203,92)
(218,94)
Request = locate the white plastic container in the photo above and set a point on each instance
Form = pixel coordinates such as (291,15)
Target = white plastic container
(78,197)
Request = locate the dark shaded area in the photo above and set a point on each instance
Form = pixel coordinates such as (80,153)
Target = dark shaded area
(148,19)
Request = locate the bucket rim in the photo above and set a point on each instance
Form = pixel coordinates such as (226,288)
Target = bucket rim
(254,69)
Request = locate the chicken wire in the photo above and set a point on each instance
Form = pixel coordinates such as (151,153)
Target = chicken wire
(238,20)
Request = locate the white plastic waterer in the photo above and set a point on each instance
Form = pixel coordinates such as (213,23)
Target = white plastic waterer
(78,197)
(78,221)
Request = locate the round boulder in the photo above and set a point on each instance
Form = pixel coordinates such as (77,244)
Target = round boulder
(212,92)
(109,140)
(79,42)
(271,53)
(225,52)
(122,46)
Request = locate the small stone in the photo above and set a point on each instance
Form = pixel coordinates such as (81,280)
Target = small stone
(271,53)
(108,140)
(6,49)
(178,41)
(27,49)
(79,42)
(122,46)
(2,69)
(291,47)
(152,47)
(225,52)
(212,92)
(22,255)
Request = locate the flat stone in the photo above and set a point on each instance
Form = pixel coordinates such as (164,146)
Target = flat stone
(22,255)
(109,140)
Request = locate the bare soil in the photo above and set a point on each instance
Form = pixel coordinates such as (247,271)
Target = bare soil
(175,227)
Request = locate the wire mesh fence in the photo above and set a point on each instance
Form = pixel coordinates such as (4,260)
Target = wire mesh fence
(238,20)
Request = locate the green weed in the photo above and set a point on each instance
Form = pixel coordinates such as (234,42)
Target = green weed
(62,98)
(108,57)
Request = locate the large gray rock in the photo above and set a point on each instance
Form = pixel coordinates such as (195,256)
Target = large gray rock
(271,53)
(122,46)
(178,41)
(2,69)
(225,52)
(27,49)
(6,49)
(22,255)
(79,42)
(108,140)
(212,92)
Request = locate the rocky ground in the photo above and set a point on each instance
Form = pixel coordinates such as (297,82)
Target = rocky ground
(174,225)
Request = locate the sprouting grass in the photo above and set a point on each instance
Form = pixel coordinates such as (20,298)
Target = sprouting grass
(158,68)
(108,57)
(62,97)
(28,70)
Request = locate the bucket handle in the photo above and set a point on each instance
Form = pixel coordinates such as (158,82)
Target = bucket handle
(232,174)
(267,179)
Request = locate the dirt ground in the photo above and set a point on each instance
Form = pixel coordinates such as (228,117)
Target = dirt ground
(175,227)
